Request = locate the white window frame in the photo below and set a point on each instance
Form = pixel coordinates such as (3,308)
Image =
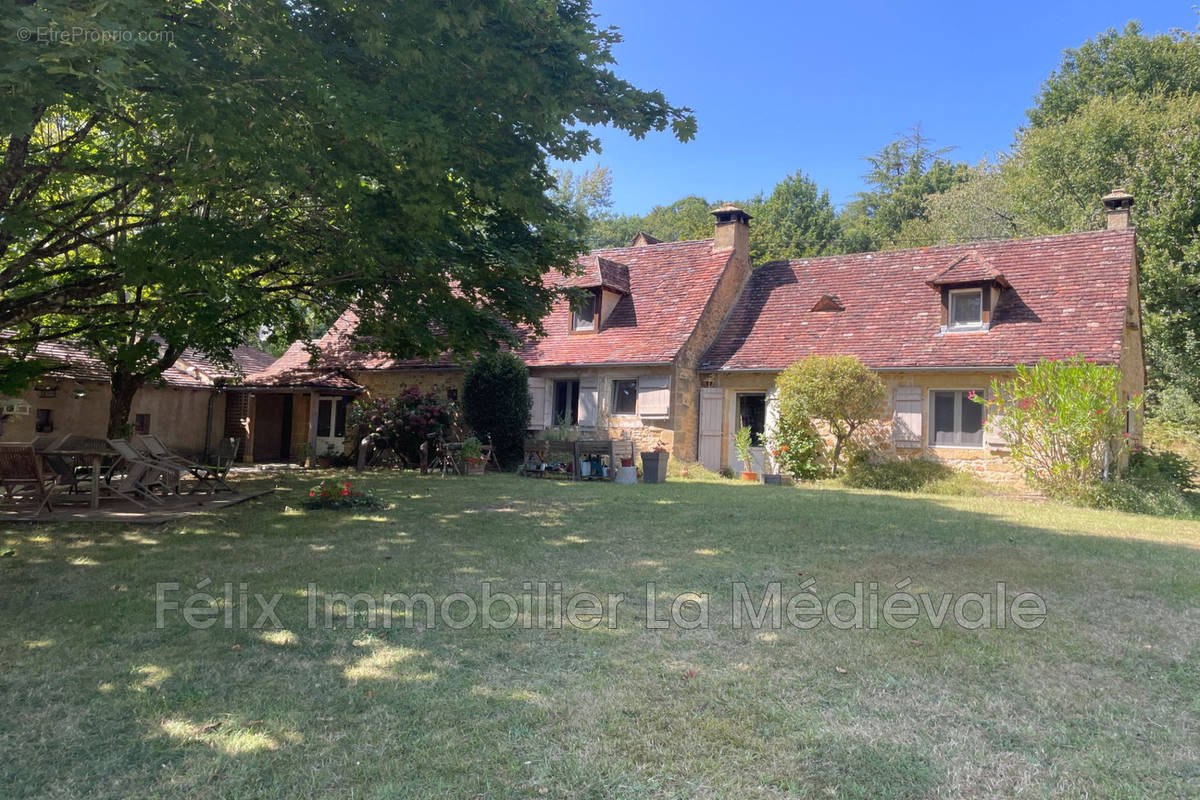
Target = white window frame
(931,425)
(612,397)
(963,326)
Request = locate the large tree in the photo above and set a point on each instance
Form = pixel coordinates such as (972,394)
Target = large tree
(903,176)
(178,155)
(796,220)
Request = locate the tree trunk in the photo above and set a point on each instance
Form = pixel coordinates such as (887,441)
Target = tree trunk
(837,454)
(124,387)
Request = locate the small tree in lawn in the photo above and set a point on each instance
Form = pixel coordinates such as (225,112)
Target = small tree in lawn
(1063,421)
(496,404)
(839,390)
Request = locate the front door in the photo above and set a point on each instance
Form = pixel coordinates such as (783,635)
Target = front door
(750,410)
(331,426)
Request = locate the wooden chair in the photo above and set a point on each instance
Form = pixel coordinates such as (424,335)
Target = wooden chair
(20,468)
(214,474)
(126,483)
(159,452)
(160,473)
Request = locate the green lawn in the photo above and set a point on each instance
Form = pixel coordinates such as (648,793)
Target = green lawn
(1103,700)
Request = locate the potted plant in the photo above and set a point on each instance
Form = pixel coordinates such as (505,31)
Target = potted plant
(741,443)
(472,453)
(654,463)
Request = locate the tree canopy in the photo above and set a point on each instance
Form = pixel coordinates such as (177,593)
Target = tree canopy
(227,164)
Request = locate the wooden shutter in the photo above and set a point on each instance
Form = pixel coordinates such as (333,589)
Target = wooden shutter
(654,396)
(712,413)
(906,419)
(537,403)
(589,401)
(991,432)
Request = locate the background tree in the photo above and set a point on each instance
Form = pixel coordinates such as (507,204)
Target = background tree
(837,390)
(795,221)
(316,153)
(903,176)
(496,404)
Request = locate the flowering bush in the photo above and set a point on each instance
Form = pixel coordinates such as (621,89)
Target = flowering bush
(796,448)
(401,423)
(339,495)
(1063,421)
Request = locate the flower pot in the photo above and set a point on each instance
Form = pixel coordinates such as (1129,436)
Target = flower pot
(773,479)
(750,476)
(626,474)
(654,467)
(585,469)
(626,462)
(476,466)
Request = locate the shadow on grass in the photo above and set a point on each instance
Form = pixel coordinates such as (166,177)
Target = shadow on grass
(174,710)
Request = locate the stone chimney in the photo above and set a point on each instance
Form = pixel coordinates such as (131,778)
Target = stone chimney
(733,229)
(1117,204)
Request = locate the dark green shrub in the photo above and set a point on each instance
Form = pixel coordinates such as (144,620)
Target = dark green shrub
(496,403)
(1148,465)
(908,475)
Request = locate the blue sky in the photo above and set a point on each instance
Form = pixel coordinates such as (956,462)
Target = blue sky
(780,86)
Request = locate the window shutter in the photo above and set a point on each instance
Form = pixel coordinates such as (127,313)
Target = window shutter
(589,401)
(906,420)
(537,403)
(654,396)
(991,431)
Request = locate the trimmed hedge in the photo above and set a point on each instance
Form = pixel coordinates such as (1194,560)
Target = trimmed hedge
(496,404)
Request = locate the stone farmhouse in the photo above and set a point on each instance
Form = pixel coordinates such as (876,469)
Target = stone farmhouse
(681,342)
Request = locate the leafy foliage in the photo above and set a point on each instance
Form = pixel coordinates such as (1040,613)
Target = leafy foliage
(402,423)
(1063,420)
(796,447)
(742,443)
(902,178)
(838,390)
(255,158)
(796,220)
(496,403)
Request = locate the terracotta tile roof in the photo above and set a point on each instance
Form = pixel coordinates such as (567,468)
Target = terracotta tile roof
(246,361)
(970,267)
(669,285)
(666,287)
(193,370)
(600,272)
(1068,297)
(303,378)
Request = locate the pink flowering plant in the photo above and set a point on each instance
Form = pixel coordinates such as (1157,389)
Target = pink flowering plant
(403,422)
(338,495)
(1064,420)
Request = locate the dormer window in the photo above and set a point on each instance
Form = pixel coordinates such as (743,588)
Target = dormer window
(583,317)
(966,308)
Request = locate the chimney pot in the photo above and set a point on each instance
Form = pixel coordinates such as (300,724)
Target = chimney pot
(732,229)
(1117,205)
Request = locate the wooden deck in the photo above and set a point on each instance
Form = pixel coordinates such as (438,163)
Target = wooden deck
(175,507)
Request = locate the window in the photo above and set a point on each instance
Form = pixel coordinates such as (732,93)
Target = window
(331,417)
(141,423)
(583,318)
(43,422)
(452,395)
(957,419)
(966,308)
(752,411)
(624,397)
(566,402)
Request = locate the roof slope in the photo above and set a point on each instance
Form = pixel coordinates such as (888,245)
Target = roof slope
(193,370)
(669,286)
(666,286)
(1068,297)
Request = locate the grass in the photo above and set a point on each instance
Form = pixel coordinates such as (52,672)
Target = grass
(1103,700)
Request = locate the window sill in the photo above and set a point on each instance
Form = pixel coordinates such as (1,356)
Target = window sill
(982,328)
